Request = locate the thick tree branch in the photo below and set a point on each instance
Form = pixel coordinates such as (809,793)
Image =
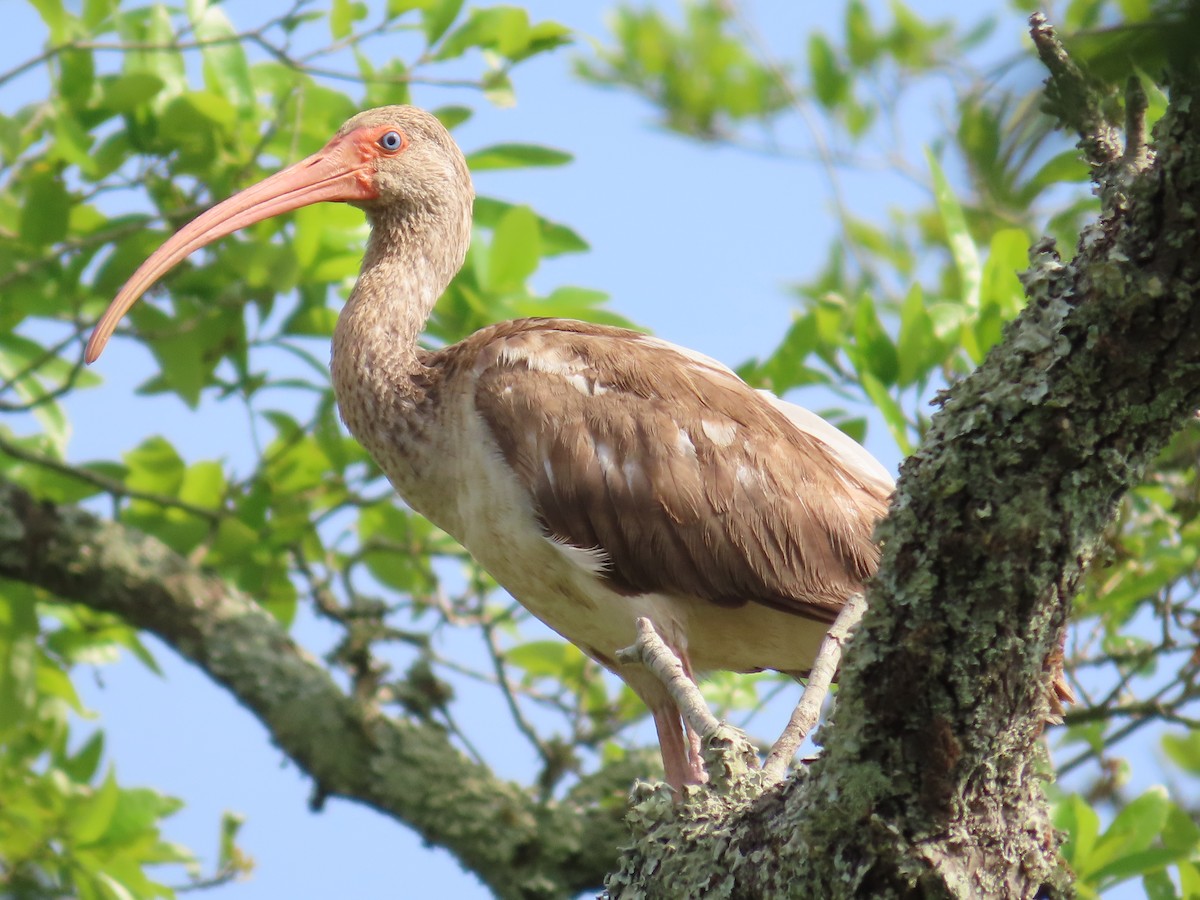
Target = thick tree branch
(929,784)
(410,772)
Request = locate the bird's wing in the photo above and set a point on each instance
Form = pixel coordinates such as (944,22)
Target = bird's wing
(678,476)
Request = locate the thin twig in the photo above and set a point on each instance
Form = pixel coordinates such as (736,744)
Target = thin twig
(1137,154)
(514,709)
(106,484)
(824,153)
(1072,98)
(808,710)
(49,354)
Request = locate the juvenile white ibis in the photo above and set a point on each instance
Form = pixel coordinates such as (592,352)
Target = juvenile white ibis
(599,474)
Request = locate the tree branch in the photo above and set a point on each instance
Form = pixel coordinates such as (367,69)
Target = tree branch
(410,772)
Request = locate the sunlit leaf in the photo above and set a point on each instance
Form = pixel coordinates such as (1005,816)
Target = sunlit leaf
(515,156)
(515,249)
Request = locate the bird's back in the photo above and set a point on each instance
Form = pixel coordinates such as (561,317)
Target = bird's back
(672,471)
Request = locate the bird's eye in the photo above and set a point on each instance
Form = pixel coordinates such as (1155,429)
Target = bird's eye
(392,141)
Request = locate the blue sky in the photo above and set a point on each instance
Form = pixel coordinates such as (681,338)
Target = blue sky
(698,243)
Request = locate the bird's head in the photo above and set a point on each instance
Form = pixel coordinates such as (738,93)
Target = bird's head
(391,159)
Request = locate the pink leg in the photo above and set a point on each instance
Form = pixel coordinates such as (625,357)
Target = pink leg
(676,759)
(695,760)
(678,743)
(682,762)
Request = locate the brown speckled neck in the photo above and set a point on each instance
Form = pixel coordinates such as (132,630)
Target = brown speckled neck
(414,251)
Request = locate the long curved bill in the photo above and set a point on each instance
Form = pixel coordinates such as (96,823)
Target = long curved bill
(339,171)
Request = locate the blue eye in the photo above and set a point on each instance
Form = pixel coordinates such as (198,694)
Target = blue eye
(392,141)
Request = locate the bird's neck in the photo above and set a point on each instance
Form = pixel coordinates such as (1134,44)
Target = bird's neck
(377,366)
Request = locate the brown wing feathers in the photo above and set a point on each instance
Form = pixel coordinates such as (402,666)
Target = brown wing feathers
(685,478)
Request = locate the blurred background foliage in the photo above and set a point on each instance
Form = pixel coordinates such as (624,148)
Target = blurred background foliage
(154,112)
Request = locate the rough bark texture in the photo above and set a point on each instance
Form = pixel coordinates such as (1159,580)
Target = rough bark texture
(930,784)
(412,772)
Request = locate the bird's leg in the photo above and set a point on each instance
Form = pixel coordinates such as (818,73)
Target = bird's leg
(677,763)
(695,760)
(820,677)
(669,688)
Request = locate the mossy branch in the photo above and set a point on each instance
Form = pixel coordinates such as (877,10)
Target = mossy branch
(409,771)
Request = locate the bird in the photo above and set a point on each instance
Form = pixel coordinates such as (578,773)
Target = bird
(599,474)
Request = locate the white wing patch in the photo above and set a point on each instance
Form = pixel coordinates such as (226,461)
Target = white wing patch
(720,433)
(550,361)
(604,456)
(684,442)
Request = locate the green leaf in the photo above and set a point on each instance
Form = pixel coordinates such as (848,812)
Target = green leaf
(230,856)
(91,817)
(18,655)
(45,212)
(498,89)
(438,16)
(962,247)
(571,303)
(155,467)
(342,16)
(24,363)
(78,77)
(96,11)
(393,534)
(556,238)
(1074,816)
(183,367)
(545,659)
(917,350)
(829,81)
(234,542)
(136,815)
(226,70)
(1158,886)
(786,367)
(82,765)
(504,29)
(515,156)
(1189,879)
(893,415)
(125,93)
(1066,167)
(1001,295)
(877,353)
(862,47)
(1183,750)
(55,16)
(153,29)
(203,485)
(515,250)
(1124,848)
(397,8)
